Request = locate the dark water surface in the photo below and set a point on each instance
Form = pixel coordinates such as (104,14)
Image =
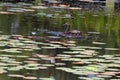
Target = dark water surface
(26,22)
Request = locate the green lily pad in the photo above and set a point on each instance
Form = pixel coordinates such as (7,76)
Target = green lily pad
(44,78)
(31,68)
(15,75)
(111,49)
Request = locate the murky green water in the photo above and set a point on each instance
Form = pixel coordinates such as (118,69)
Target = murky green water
(25,22)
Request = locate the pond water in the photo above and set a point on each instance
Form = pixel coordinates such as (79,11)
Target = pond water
(23,59)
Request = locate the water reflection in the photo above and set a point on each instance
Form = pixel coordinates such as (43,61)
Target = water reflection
(14,26)
(33,23)
(52,78)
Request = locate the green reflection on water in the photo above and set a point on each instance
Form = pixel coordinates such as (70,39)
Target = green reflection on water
(105,23)
(24,23)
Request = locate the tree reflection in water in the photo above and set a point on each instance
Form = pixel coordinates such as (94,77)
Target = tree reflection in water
(14,26)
